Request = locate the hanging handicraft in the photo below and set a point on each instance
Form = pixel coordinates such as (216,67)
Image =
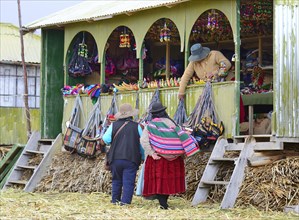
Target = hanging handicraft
(124,40)
(165,34)
(212,20)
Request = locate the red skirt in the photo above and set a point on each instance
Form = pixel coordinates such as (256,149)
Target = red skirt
(164,177)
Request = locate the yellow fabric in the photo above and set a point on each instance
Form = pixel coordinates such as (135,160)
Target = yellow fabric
(203,68)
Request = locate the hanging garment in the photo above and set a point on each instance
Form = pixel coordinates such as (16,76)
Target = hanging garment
(79,65)
(89,139)
(203,119)
(73,132)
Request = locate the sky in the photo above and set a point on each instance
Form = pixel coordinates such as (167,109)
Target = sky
(31,10)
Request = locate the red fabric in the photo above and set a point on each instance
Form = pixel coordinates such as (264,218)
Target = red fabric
(164,177)
(242,110)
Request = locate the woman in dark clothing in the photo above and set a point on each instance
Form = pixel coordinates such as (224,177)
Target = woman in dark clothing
(164,174)
(125,153)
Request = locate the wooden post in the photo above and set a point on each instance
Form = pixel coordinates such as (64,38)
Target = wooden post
(167,62)
(250,113)
(27,112)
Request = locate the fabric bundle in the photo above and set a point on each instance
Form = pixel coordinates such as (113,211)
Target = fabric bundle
(166,140)
(203,119)
(94,92)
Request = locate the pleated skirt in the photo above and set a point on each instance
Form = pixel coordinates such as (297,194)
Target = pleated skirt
(164,177)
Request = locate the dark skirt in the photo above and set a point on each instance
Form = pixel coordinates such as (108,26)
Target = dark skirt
(164,177)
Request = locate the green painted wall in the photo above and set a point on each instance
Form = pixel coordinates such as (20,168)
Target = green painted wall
(51,82)
(13,125)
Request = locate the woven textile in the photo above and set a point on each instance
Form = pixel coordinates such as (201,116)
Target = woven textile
(164,177)
(165,140)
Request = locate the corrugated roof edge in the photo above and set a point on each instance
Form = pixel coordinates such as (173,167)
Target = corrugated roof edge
(41,23)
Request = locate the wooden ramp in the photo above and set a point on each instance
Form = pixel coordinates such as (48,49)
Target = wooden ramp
(216,160)
(33,162)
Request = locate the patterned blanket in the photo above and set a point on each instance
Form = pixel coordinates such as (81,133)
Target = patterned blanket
(166,140)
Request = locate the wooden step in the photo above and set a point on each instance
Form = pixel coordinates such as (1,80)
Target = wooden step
(214,182)
(254,135)
(26,167)
(257,137)
(259,146)
(45,141)
(34,152)
(222,159)
(20,182)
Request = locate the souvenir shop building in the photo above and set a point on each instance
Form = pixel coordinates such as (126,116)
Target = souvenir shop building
(145,44)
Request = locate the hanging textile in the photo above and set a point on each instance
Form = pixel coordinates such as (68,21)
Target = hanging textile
(147,116)
(79,65)
(180,116)
(110,114)
(72,134)
(88,142)
(203,119)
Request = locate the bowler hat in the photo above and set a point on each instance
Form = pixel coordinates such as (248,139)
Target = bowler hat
(198,52)
(157,107)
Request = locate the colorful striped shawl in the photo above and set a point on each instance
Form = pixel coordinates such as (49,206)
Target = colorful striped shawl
(165,140)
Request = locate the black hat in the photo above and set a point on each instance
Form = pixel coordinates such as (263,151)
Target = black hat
(157,107)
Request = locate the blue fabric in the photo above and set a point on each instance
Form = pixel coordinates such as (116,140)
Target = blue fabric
(123,180)
(140,181)
(107,138)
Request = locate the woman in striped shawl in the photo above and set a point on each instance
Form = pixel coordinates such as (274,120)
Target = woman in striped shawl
(164,173)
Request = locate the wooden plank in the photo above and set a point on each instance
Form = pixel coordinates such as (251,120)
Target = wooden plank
(215,182)
(260,146)
(224,159)
(210,172)
(34,152)
(9,157)
(32,144)
(20,182)
(9,169)
(26,167)
(269,146)
(237,177)
(255,136)
(250,116)
(261,161)
(294,208)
